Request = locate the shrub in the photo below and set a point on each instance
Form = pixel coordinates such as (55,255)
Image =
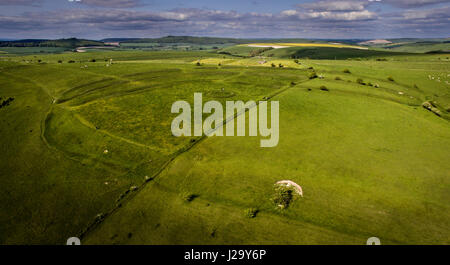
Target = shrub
(92,60)
(390,78)
(71,61)
(347,71)
(6,102)
(293,83)
(273,65)
(324,88)
(60,61)
(360,81)
(369,84)
(280,65)
(296,61)
(187,196)
(251,212)
(312,75)
(337,78)
(198,64)
(283,196)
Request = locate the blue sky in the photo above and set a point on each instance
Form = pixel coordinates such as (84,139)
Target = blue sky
(96,19)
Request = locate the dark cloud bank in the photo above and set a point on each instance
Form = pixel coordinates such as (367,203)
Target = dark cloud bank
(318,19)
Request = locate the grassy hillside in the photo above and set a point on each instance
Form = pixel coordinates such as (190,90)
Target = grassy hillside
(308,51)
(61,43)
(421,47)
(88,149)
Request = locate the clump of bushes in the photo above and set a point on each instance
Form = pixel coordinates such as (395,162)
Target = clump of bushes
(71,61)
(187,196)
(347,71)
(251,212)
(390,78)
(283,196)
(324,88)
(312,75)
(6,102)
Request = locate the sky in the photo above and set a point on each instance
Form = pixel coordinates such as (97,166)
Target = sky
(319,19)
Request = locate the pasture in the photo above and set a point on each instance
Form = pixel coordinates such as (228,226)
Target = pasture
(88,151)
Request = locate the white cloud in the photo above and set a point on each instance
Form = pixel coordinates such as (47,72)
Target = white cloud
(334,5)
(414,3)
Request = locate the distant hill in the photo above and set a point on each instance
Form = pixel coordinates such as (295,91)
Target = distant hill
(61,43)
(205,40)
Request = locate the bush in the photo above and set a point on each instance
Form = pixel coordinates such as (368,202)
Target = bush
(296,61)
(187,196)
(60,61)
(312,75)
(280,65)
(369,84)
(71,61)
(93,60)
(347,71)
(283,196)
(273,65)
(251,212)
(337,78)
(390,78)
(6,102)
(198,64)
(293,83)
(360,81)
(324,88)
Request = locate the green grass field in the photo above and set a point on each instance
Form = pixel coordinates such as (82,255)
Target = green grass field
(88,151)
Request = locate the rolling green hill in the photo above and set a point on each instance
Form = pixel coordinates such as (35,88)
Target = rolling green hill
(61,43)
(87,149)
